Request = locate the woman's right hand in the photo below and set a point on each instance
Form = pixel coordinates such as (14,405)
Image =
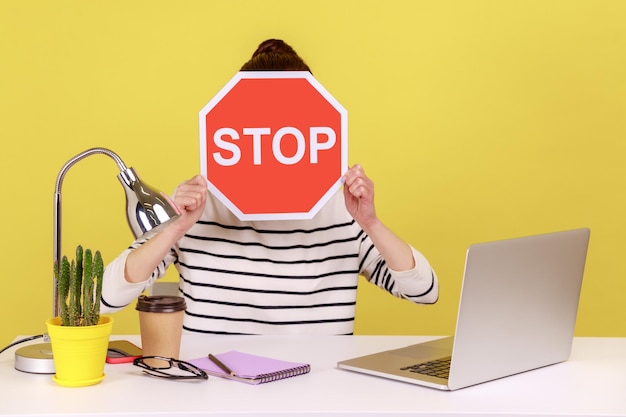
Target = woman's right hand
(190,199)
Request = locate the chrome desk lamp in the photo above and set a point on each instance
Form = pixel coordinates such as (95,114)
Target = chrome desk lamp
(147,211)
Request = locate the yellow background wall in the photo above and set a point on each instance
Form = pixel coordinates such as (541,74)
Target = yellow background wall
(478,120)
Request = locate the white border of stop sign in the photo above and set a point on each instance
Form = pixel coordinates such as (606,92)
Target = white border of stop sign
(254,134)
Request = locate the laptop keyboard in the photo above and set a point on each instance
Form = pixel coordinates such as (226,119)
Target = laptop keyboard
(439,368)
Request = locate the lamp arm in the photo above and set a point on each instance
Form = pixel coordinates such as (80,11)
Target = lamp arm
(121,165)
(58,204)
(147,209)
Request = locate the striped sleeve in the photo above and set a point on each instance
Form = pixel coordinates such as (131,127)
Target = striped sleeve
(419,285)
(118,293)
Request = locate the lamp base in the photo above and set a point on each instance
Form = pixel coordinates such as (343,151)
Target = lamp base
(35,359)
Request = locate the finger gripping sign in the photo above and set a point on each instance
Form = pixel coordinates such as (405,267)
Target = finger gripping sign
(273,145)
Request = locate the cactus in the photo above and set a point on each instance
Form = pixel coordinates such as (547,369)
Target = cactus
(62,275)
(79,285)
(98,272)
(87,286)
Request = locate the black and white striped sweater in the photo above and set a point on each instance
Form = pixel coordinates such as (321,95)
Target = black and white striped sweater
(274,277)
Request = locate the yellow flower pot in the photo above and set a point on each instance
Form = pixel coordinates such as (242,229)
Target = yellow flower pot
(79,353)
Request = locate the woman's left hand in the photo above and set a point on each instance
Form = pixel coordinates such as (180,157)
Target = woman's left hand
(358,192)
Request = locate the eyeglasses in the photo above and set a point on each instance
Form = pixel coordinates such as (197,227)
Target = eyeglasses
(193,372)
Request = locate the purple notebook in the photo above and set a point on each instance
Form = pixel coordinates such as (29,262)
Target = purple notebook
(251,369)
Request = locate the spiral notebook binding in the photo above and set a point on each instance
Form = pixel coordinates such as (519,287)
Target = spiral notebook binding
(275,376)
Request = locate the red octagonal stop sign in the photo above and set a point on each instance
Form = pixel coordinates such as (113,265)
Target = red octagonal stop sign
(273,145)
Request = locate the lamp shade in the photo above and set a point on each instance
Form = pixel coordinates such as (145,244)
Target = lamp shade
(147,209)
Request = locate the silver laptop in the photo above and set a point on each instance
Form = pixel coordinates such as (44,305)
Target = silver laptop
(517,312)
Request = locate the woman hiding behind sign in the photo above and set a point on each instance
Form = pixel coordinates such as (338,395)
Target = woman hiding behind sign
(273,277)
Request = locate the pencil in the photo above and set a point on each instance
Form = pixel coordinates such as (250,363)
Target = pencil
(221,365)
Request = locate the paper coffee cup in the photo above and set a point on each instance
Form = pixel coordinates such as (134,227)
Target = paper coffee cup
(161,325)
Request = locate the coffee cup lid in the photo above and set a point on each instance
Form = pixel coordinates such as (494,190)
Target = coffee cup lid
(160,303)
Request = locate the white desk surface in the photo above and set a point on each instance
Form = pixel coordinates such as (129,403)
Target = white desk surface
(591,383)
